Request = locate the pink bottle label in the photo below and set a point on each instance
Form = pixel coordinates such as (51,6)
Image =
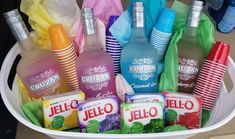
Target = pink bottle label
(95,81)
(44,83)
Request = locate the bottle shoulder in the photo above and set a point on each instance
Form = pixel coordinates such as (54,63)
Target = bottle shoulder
(143,48)
(39,60)
(94,55)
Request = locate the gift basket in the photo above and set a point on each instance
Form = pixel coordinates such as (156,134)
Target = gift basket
(147,72)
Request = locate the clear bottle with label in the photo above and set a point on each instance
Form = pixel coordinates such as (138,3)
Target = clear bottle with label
(38,69)
(95,69)
(139,57)
(227,23)
(190,53)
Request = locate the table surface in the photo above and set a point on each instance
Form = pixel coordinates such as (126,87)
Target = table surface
(225,132)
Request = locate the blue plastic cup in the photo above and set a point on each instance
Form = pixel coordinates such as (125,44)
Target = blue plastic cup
(112,19)
(166,21)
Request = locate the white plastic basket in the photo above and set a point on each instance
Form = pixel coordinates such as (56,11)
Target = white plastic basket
(223,112)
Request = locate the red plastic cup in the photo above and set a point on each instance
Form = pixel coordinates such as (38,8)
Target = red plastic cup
(219,53)
(208,92)
(211,88)
(212,68)
(215,63)
(211,75)
(209,79)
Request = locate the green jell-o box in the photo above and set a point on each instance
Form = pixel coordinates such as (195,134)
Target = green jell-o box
(143,117)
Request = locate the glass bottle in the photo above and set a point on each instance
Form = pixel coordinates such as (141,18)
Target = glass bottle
(139,57)
(190,53)
(227,23)
(38,69)
(94,66)
(215,4)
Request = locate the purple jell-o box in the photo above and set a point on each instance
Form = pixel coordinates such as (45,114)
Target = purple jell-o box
(100,115)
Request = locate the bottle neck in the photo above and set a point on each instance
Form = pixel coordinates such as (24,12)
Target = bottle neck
(27,46)
(138,30)
(91,43)
(138,34)
(190,32)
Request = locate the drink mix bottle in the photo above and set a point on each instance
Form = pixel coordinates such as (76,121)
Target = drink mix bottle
(94,66)
(190,53)
(139,57)
(38,69)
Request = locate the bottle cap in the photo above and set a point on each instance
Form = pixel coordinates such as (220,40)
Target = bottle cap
(112,19)
(195,13)
(166,21)
(58,36)
(16,24)
(219,53)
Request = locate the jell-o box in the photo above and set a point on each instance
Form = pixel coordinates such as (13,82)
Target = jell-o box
(183,109)
(99,116)
(145,97)
(60,113)
(142,117)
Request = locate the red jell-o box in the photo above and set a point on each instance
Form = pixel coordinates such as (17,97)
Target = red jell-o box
(183,109)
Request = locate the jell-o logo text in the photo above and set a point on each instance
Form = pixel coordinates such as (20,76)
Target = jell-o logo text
(63,108)
(143,113)
(98,111)
(180,104)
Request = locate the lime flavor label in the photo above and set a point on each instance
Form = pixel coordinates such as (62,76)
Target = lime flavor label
(145,117)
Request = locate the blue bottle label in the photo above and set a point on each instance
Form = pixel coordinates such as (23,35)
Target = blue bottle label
(144,70)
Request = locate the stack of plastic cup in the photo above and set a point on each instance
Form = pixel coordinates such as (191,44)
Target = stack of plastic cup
(161,33)
(64,50)
(113,47)
(211,75)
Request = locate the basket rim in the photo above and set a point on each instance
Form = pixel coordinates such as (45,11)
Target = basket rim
(49,132)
